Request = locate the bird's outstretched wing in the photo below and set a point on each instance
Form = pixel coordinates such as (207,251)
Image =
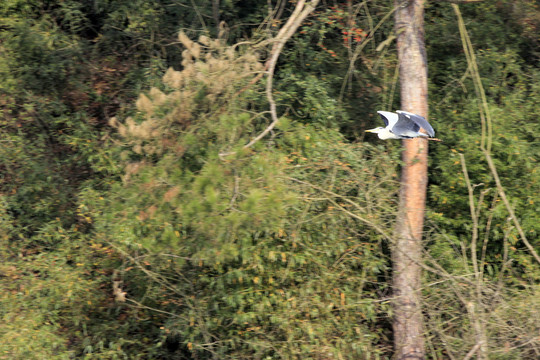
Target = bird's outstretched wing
(405,126)
(409,121)
(390,119)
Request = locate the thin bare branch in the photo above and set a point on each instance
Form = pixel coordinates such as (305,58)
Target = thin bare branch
(485,116)
(509,208)
(359,49)
(487,128)
(460,1)
(299,14)
(471,353)
(474,215)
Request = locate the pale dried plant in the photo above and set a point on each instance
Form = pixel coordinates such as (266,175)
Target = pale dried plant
(144,104)
(157,96)
(208,67)
(205,40)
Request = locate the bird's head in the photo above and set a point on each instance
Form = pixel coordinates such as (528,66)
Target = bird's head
(383,133)
(376,130)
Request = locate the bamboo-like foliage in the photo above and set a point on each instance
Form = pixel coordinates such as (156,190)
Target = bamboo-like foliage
(268,250)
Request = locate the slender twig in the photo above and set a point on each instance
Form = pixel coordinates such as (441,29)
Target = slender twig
(509,208)
(487,231)
(199,15)
(359,49)
(301,11)
(471,353)
(505,263)
(236,190)
(485,117)
(439,270)
(460,1)
(138,304)
(474,216)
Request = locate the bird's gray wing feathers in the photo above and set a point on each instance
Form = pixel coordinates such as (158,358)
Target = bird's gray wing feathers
(390,119)
(405,126)
(410,121)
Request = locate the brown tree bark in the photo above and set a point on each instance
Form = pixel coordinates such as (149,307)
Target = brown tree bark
(407,249)
(215,13)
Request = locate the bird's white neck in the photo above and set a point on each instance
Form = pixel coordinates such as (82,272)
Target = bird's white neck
(385,134)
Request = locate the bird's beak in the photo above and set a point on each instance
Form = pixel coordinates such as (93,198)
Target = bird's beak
(370,130)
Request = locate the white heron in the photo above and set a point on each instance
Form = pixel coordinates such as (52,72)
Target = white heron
(403,125)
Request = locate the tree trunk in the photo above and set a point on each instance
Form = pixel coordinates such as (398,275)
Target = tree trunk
(215,13)
(407,250)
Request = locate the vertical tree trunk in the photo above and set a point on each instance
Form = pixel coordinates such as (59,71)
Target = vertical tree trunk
(407,250)
(215,13)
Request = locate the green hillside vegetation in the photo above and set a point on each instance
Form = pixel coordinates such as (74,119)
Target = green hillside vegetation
(138,219)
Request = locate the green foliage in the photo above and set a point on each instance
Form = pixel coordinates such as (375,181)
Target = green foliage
(166,237)
(41,293)
(258,244)
(512,102)
(505,265)
(323,80)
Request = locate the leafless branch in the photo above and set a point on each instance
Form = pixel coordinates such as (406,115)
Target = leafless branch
(509,208)
(471,353)
(459,1)
(299,14)
(473,215)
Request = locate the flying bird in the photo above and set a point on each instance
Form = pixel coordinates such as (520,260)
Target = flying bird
(403,125)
